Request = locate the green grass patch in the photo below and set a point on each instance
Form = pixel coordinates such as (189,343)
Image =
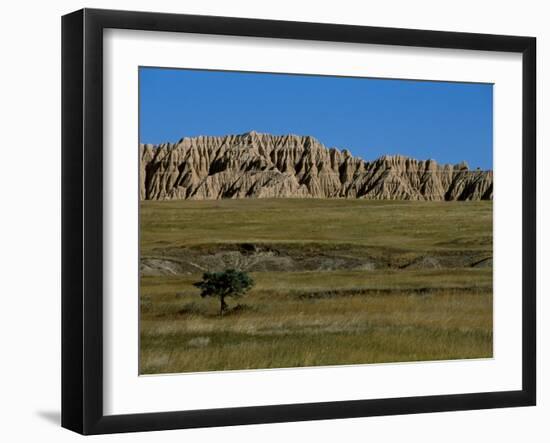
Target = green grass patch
(296,318)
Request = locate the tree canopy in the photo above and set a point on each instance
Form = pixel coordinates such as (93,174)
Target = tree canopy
(228,283)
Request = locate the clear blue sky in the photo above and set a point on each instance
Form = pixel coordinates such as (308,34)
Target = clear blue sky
(448,122)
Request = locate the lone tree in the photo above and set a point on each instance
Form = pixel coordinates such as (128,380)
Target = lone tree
(229,283)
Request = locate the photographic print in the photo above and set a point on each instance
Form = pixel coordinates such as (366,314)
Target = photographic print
(291,220)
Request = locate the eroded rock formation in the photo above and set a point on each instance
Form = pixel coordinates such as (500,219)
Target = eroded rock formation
(254,165)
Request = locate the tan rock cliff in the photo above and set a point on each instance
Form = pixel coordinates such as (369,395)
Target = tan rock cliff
(254,165)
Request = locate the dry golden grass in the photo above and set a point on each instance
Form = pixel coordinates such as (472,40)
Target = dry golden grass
(387,224)
(318,318)
(181,332)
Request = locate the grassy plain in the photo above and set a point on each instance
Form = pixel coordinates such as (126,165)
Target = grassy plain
(316,302)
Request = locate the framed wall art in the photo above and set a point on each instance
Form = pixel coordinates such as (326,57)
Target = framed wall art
(268,221)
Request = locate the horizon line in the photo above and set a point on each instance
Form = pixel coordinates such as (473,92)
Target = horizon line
(253,131)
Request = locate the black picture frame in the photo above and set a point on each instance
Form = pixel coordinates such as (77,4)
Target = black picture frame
(82,218)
